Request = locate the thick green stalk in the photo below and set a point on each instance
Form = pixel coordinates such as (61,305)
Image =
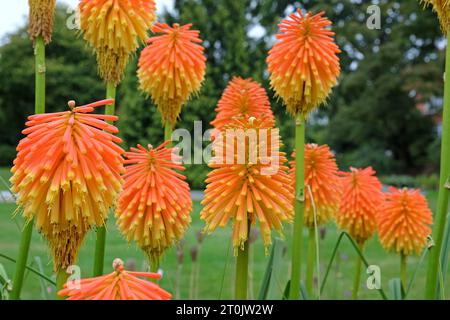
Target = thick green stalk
(403,273)
(444,181)
(310,261)
(242,270)
(61,279)
(100,242)
(357,275)
(294,292)
(39,107)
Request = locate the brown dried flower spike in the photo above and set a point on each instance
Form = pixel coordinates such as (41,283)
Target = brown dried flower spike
(41,19)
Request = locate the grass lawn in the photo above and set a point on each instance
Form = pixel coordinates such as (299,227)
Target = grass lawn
(216,262)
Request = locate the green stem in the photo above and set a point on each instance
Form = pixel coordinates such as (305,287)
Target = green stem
(310,261)
(441,214)
(403,273)
(242,270)
(22,260)
(39,107)
(168,129)
(61,279)
(294,292)
(357,276)
(99,257)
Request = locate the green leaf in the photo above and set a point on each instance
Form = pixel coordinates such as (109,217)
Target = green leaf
(44,292)
(333,256)
(303,291)
(286,290)
(270,286)
(396,289)
(30,269)
(5,284)
(267,276)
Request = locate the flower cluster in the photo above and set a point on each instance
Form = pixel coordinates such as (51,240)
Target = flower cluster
(404,221)
(242,98)
(119,285)
(155,204)
(322,184)
(303,64)
(254,185)
(67,175)
(172,68)
(113,29)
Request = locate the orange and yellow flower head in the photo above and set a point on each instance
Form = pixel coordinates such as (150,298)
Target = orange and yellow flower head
(442,8)
(119,285)
(114,29)
(249,181)
(242,98)
(67,175)
(322,184)
(404,223)
(155,204)
(172,68)
(303,64)
(361,202)
(41,17)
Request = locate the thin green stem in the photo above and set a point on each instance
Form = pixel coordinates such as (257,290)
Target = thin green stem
(357,275)
(39,107)
(242,270)
(403,272)
(168,129)
(310,261)
(99,257)
(61,279)
(294,292)
(333,256)
(443,197)
(36,272)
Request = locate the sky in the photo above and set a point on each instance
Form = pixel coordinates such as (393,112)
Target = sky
(14,13)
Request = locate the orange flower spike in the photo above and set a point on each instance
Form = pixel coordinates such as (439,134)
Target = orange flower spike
(404,223)
(322,181)
(119,285)
(303,64)
(114,28)
(67,175)
(172,68)
(360,204)
(155,204)
(41,19)
(253,186)
(242,98)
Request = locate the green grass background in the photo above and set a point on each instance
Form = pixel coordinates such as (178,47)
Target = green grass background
(216,261)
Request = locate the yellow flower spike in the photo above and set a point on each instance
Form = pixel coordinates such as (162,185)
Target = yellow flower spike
(303,63)
(41,19)
(49,176)
(442,8)
(245,192)
(172,68)
(155,204)
(114,28)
